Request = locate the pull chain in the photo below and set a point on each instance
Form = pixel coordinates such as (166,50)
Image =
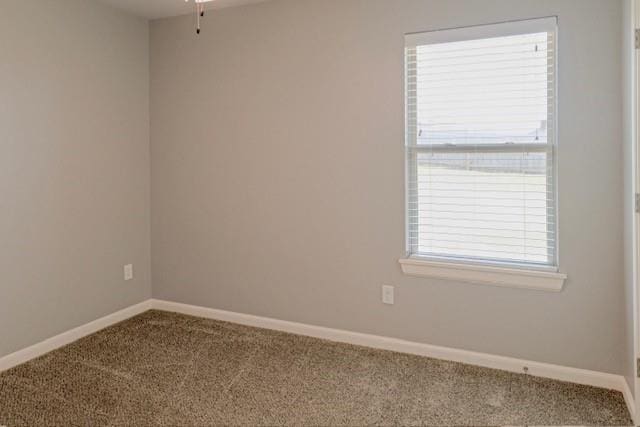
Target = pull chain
(199,14)
(198,18)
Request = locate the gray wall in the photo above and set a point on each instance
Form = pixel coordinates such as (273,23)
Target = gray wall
(74,166)
(278,175)
(629,214)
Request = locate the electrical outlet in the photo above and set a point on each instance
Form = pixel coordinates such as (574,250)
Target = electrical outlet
(387,295)
(128,272)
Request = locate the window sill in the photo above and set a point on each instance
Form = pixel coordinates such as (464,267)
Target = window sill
(485,275)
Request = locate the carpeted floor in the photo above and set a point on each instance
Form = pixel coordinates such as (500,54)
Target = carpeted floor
(167,369)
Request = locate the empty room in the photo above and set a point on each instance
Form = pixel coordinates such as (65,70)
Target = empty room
(319,212)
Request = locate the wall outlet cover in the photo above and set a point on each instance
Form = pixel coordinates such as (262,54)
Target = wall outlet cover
(387,295)
(128,272)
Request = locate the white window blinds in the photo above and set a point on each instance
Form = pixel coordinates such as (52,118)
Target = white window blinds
(480,141)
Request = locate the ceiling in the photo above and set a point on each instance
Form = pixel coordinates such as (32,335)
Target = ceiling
(153,9)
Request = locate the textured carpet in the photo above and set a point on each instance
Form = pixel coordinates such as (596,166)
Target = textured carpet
(168,369)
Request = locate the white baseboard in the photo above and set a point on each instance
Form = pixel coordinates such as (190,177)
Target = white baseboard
(53,343)
(630,401)
(545,370)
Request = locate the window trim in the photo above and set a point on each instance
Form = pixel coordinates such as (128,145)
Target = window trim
(488,272)
(484,31)
(485,274)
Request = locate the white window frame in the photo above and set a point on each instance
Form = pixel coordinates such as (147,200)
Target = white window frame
(494,273)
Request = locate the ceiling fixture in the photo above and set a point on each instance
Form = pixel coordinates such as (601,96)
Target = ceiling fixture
(199,12)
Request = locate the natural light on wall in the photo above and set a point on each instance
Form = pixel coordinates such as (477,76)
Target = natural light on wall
(481,144)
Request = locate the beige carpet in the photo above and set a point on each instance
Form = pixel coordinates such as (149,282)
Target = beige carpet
(167,369)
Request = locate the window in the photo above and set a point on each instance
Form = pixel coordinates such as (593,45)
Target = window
(480,143)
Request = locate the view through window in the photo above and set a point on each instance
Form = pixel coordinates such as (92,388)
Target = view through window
(480,143)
